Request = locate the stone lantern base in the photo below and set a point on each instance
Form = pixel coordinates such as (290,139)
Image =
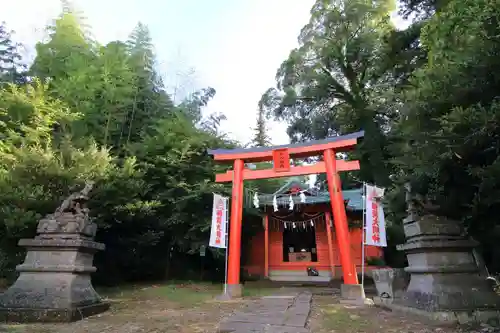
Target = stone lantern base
(54,283)
(390,283)
(445,283)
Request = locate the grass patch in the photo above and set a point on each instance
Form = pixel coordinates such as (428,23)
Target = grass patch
(178,293)
(186,294)
(195,293)
(11,328)
(22,328)
(120,291)
(183,294)
(257,292)
(342,320)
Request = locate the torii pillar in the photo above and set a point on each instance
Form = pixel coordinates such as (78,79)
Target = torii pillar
(280,156)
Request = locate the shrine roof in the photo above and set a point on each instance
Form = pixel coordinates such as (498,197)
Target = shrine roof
(292,183)
(309,148)
(353,197)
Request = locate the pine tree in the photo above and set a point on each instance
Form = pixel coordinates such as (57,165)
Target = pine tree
(260,138)
(9,57)
(151,102)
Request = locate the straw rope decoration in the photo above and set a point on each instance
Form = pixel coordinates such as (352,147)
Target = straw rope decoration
(255,199)
(315,222)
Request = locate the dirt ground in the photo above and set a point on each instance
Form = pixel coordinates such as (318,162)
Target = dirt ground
(191,308)
(179,308)
(333,317)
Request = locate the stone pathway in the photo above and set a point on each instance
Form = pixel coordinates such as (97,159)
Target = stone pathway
(271,314)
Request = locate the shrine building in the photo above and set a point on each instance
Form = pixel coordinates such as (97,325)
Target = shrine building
(286,253)
(296,237)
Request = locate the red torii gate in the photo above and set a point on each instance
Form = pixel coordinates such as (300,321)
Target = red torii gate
(280,155)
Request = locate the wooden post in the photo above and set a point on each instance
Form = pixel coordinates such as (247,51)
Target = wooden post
(266,246)
(340,218)
(330,242)
(233,274)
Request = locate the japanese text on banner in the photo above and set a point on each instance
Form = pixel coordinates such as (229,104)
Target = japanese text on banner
(375,219)
(219,221)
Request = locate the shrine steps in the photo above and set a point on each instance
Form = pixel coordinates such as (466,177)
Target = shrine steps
(299,276)
(317,288)
(293,284)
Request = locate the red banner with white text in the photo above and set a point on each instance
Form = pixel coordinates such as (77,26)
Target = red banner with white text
(374,217)
(219,222)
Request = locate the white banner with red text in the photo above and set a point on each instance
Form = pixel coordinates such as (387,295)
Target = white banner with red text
(219,222)
(374,217)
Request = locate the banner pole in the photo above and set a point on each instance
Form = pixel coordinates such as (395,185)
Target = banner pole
(226,246)
(363,236)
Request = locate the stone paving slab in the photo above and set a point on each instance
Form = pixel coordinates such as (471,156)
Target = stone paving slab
(297,320)
(259,328)
(279,314)
(259,319)
(304,297)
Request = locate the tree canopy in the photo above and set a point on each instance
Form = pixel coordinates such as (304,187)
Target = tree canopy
(100,112)
(426,97)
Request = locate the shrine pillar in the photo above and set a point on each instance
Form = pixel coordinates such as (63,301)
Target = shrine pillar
(266,246)
(330,242)
(351,290)
(340,218)
(233,288)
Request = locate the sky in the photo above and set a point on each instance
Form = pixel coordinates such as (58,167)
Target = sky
(234,46)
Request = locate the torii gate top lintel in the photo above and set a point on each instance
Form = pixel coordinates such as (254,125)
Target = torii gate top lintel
(297,150)
(280,155)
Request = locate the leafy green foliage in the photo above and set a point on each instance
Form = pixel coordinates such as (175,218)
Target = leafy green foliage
(94,112)
(35,173)
(421,8)
(332,83)
(426,96)
(449,147)
(446,141)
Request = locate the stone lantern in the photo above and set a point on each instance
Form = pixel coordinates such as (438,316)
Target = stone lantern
(54,283)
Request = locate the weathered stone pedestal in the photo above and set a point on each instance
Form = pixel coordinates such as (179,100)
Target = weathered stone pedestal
(444,277)
(352,294)
(390,282)
(54,283)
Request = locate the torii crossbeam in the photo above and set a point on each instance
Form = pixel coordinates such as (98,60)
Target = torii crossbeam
(281,155)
